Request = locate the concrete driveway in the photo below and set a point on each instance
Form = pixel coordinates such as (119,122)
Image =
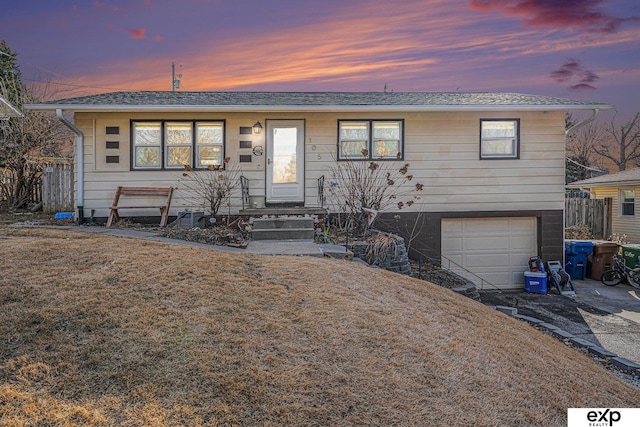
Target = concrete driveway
(606,316)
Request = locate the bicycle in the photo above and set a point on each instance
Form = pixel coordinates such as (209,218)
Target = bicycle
(621,273)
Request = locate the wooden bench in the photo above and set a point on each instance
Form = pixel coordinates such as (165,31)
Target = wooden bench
(167,193)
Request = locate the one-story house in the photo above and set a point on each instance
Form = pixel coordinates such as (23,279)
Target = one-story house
(492,164)
(621,191)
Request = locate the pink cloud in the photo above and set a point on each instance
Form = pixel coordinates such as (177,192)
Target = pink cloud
(158,38)
(137,33)
(99,4)
(147,3)
(582,14)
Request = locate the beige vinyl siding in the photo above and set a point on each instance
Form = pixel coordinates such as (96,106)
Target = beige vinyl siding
(629,225)
(441,148)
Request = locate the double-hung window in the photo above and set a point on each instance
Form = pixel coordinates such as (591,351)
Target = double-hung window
(209,138)
(370,139)
(176,144)
(627,202)
(500,139)
(178,141)
(147,145)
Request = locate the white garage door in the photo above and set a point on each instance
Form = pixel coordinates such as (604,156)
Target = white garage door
(495,249)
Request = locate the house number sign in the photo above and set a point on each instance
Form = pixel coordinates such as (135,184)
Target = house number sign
(258,150)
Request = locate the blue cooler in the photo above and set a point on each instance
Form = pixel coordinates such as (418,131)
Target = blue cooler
(576,253)
(535,282)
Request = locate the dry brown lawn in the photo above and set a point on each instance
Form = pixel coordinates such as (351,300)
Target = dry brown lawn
(98,330)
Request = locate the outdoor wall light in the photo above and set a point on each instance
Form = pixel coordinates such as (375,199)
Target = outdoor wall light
(257,128)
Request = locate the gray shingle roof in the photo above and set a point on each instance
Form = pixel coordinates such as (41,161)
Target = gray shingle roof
(631,176)
(308,100)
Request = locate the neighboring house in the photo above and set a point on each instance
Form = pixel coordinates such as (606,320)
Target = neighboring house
(622,189)
(492,164)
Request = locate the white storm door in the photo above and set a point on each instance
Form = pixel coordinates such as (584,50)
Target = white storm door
(285,161)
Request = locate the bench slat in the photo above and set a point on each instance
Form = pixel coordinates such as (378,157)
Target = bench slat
(140,207)
(144,191)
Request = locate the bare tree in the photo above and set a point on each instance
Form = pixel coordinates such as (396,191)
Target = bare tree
(582,159)
(622,143)
(25,141)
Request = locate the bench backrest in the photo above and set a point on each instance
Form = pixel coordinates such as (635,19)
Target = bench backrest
(144,191)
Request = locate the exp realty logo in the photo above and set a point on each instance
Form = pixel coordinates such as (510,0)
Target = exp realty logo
(603,417)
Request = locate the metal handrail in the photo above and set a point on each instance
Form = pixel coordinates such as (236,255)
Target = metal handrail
(446,264)
(244,185)
(321,191)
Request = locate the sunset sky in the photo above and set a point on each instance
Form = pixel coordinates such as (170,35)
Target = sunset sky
(580,49)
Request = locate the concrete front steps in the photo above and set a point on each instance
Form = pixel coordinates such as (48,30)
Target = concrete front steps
(290,235)
(283,228)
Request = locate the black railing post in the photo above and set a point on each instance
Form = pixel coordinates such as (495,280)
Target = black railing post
(244,185)
(321,191)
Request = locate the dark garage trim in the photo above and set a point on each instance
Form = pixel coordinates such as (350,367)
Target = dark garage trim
(550,226)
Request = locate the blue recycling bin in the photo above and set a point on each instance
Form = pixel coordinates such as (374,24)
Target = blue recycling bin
(576,253)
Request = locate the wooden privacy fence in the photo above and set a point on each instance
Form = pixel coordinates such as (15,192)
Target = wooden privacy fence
(57,187)
(590,212)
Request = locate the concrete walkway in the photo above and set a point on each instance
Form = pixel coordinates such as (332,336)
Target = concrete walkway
(146,235)
(606,316)
(257,247)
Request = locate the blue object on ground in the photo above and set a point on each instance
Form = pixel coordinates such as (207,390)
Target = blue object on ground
(576,253)
(535,282)
(64,215)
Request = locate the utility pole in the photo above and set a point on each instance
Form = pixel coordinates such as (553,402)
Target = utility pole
(175,82)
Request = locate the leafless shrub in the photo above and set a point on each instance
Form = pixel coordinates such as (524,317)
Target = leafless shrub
(618,238)
(212,188)
(370,184)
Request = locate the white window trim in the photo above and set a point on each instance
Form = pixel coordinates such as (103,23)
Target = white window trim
(166,145)
(134,146)
(198,145)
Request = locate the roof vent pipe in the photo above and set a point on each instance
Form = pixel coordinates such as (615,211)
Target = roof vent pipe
(79,162)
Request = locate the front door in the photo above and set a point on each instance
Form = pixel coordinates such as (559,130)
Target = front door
(285,161)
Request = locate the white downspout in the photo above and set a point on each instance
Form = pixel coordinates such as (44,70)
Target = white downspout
(577,126)
(79,162)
